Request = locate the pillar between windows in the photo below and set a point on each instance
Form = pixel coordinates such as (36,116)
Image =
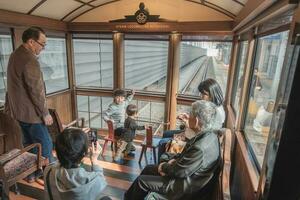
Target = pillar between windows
(172,79)
(118,55)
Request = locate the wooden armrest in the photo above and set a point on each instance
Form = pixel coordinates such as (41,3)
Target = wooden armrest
(3,135)
(76,121)
(26,149)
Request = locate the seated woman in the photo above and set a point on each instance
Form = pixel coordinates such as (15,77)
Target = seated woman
(67,179)
(209,90)
(195,170)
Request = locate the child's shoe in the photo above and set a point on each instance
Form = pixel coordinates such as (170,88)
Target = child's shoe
(132,148)
(130,154)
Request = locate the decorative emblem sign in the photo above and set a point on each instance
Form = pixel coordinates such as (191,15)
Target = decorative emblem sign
(141,15)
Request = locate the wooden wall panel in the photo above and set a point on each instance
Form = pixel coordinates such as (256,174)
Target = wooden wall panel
(13,131)
(172,79)
(204,27)
(244,178)
(62,103)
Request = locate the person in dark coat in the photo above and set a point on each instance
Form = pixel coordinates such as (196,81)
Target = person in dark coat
(191,170)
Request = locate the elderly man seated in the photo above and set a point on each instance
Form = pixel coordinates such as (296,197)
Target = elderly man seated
(192,170)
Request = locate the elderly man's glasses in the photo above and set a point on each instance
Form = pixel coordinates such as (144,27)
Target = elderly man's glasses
(41,44)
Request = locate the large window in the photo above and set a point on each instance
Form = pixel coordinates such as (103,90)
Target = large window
(183,109)
(91,108)
(146,64)
(150,112)
(200,61)
(5,51)
(239,77)
(263,90)
(53,62)
(93,60)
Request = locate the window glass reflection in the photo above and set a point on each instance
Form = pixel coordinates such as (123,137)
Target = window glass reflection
(239,79)
(202,60)
(265,80)
(150,112)
(146,65)
(53,61)
(5,51)
(91,108)
(93,60)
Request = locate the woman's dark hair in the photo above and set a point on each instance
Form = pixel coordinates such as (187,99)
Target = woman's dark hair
(71,146)
(213,88)
(32,33)
(120,92)
(131,109)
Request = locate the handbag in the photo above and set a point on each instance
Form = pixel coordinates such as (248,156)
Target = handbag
(177,144)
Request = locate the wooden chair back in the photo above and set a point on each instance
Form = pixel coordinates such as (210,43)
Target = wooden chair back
(111,132)
(149,136)
(110,137)
(57,126)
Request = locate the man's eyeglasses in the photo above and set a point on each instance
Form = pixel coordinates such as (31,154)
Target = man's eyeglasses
(42,45)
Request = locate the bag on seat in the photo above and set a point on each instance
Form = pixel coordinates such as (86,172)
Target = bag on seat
(177,144)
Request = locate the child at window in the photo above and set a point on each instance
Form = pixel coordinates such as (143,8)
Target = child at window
(116,110)
(130,125)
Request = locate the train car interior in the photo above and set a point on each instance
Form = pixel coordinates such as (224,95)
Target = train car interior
(158,52)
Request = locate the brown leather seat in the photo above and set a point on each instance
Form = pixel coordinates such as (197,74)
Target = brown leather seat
(16,162)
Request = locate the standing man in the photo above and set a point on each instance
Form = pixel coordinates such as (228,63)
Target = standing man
(25,98)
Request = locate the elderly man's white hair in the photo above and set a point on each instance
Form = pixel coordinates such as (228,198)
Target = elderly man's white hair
(205,111)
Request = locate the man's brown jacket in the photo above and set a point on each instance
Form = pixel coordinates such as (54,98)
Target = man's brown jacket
(25,97)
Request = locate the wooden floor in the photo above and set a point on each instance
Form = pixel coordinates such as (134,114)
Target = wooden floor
(119,176)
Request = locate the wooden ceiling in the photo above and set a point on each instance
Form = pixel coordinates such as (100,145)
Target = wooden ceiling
(70,10)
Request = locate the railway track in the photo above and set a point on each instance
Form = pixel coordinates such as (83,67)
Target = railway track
(190,76)
(195,77)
